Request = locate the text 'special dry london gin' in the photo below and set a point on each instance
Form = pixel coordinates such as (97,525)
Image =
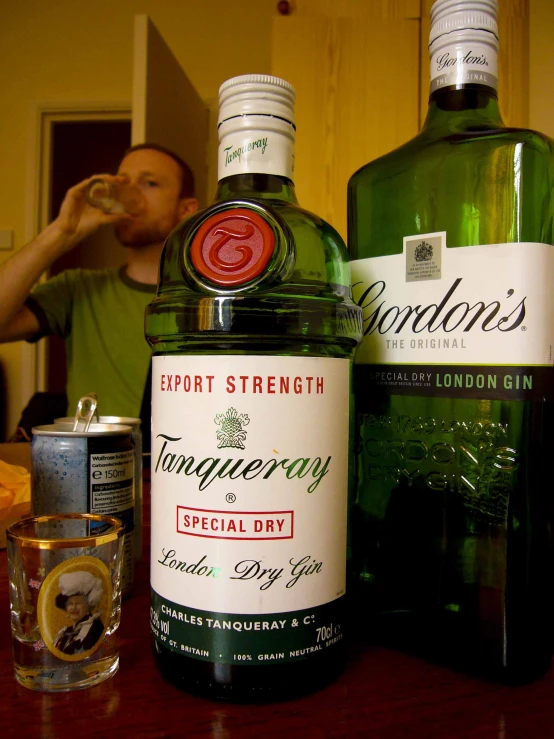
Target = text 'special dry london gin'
(253,330)
(452,239)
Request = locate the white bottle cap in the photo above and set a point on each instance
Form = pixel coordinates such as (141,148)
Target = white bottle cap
(463,15)
(256,94)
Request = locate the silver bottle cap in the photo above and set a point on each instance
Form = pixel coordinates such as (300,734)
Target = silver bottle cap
(256,94)
(463,15)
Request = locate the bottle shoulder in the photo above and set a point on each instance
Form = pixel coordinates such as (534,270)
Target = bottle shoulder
(304,286)
(473,141)
(310,233)
(300,220)
(306,225)
(480,186)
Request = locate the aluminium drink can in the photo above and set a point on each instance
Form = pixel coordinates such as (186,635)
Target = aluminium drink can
(88,471)
(135,424)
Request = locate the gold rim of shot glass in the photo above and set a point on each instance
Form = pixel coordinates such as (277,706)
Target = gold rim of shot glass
(91,540)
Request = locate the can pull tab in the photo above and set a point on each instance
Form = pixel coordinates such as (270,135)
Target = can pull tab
(86,409)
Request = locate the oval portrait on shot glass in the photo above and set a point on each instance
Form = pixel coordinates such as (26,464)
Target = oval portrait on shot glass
(74,608)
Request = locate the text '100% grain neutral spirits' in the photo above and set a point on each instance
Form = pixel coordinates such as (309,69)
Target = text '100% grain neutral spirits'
(253,331)
(452,240)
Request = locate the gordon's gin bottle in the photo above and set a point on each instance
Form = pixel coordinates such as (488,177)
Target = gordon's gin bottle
(452,240)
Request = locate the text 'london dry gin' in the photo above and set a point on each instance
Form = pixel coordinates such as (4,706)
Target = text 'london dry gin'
(253,331)
(452,240)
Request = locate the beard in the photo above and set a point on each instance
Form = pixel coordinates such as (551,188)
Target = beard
(135,235)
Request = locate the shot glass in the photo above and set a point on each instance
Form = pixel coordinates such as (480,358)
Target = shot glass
(65,596)
(114,197)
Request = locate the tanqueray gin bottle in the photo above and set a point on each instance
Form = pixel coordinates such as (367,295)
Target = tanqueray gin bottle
(452,240)
(253,331)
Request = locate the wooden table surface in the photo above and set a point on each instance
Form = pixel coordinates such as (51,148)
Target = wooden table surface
(382,693)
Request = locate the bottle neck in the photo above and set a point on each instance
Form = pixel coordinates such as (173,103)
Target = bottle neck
(256,158)
(463,80)
(464,108)
(256,185)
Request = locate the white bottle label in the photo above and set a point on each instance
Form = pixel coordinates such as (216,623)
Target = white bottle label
(461,63)
(473,305)
(260,151)
(249,503)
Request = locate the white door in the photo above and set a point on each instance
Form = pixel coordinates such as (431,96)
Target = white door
(166,107)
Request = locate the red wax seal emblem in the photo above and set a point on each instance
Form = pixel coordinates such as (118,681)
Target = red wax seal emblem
(232,246)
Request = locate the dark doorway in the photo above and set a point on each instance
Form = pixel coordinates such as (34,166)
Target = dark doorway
(79,150)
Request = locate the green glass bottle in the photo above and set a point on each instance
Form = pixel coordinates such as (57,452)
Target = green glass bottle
(253,330)
(451,239)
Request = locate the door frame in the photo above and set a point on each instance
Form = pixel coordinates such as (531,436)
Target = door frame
(38,198)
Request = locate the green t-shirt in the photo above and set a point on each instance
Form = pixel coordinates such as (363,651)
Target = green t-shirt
(100,314)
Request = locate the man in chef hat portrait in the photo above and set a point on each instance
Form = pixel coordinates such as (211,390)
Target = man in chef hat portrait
(79,597)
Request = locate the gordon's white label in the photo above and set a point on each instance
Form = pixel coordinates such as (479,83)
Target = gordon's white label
(484,305)
(256,151)
(249,481)
(463,63)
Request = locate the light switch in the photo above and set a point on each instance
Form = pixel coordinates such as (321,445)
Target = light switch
(6,238)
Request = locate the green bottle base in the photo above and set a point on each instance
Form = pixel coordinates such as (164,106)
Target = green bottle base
(254,684)
(453,640)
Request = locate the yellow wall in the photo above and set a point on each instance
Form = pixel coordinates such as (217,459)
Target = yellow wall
(71,51)
(541,66)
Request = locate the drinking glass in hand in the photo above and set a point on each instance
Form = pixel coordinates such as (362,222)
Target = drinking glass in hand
(114,197)
(65,596)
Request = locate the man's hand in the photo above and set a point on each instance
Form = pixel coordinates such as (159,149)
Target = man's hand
(78,219)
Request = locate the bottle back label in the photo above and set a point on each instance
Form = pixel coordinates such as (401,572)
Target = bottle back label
(472,321)
(249,503)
